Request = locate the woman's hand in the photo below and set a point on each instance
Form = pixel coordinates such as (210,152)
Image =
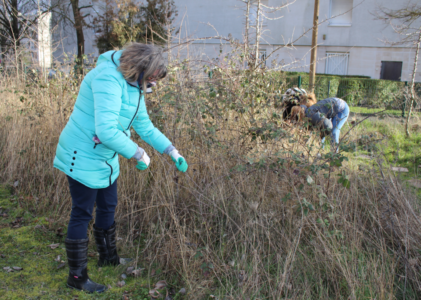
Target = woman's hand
(143,160)
(179,161)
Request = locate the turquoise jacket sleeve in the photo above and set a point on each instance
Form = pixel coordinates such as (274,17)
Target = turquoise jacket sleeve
(107,92)
(148,132)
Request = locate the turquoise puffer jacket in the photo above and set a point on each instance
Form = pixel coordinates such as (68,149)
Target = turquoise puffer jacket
(106,107)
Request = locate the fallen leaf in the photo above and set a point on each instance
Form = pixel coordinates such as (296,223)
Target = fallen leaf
(119,238)
(53,246)
(16,226)
(160,284)
(129,270)
(38,227)
(10,270)
(182,291)
(154,294)
(58,259)
(124,276)
(153,272)
(17,268)
(16,183)
(61,266)
(35,253)
(6,268)
(109,287)
(137,273)
(121,283)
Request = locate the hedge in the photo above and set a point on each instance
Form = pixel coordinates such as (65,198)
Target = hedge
(356,91)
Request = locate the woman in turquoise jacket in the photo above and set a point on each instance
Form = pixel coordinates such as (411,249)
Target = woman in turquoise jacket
(110,102)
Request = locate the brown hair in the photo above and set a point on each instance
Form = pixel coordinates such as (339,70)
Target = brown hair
(142,58)
(308,99)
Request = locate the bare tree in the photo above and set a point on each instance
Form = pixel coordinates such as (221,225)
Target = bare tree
(247,28)
(72,12)
(260,12)
(405,22)
(17,18)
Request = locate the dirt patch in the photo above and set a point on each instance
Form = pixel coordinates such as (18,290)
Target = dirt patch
(415,183)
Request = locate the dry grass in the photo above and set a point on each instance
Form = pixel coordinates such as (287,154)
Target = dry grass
(257,216)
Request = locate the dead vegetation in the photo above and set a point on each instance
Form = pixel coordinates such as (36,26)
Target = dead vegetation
(258,215)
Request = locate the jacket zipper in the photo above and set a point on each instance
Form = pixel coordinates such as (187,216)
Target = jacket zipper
(137,109)
(130,124)
(111,166)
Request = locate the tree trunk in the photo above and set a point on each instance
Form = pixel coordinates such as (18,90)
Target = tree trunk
(246,35)
(15,23)
(256,56)
(313,58)
(413,84)
(79,32)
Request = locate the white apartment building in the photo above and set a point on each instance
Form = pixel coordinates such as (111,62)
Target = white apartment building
(352,43)
(350,40)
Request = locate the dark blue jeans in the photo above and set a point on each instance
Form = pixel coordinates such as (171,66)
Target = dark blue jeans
(83,200)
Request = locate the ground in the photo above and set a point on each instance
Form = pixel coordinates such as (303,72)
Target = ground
(24,243)
(386,138)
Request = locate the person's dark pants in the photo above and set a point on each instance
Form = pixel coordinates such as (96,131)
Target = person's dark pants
(83,200)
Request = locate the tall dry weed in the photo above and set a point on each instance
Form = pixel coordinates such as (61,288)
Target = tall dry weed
(258,215)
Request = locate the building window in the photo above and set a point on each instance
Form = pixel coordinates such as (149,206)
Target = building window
(337,63)
(340,12)
(263,55)
(391,70)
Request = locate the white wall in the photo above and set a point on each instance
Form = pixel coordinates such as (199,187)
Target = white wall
(227,16)
(364,39)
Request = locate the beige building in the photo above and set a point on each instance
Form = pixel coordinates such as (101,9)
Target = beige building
(351,41)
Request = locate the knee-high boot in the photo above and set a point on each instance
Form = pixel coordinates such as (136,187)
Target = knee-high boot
(77,255)
(106,243)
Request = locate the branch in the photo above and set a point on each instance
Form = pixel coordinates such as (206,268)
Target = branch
(86,6)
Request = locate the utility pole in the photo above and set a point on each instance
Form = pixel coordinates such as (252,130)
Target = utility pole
(313,58)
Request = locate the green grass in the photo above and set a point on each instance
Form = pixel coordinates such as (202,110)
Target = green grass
(389,112)
(396,148)
(27,247)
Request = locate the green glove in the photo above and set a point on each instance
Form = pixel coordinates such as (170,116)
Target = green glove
(179,161)
(141,166)
(142,158)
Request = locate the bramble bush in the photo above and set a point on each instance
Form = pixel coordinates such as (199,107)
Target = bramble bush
(262,212)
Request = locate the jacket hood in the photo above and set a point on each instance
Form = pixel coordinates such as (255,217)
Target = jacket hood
(112,56)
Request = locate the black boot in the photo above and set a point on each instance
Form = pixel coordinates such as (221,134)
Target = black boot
(107,248)
(77,255)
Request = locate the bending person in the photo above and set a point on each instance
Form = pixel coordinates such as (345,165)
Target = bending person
(330,115)
(110,101)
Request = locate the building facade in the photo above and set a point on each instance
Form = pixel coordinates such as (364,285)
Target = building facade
(350,39)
